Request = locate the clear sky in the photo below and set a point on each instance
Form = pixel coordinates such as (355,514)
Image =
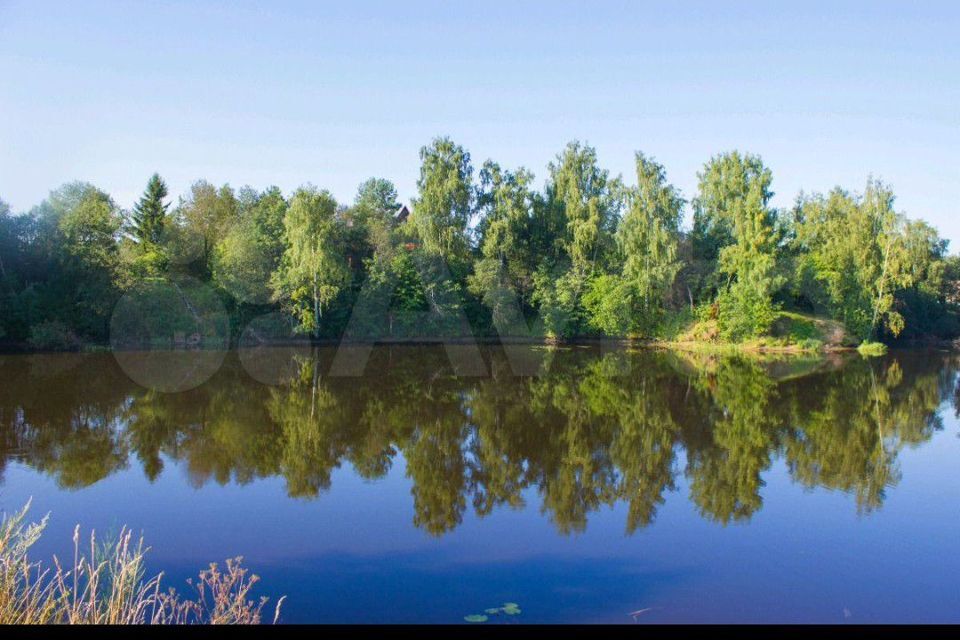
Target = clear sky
(331,93)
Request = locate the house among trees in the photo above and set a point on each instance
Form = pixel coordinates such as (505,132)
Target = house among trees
(399,217)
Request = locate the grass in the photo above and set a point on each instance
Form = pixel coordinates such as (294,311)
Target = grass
(790,333)
(107,584)
(872,349)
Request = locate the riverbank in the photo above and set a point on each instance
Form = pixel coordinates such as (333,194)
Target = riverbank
(790,334)
(712,347)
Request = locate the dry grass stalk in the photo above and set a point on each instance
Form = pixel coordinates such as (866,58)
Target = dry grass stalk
(107,584)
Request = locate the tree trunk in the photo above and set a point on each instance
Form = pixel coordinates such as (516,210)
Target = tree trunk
(316,309)
(883,282)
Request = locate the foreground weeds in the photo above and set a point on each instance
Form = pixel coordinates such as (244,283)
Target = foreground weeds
(107,584)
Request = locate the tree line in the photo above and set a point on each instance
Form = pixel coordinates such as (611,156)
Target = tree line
(486,252)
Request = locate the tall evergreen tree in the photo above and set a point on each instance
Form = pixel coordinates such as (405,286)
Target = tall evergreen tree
(150,211)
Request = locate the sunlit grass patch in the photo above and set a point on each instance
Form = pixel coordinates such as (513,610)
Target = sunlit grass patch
(872,349)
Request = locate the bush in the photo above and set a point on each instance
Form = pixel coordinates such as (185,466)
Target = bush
(53,335)
(872,349)
(674,323)
(811,344)
(744,312)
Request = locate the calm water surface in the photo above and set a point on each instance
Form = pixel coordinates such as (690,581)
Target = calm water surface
(691,489)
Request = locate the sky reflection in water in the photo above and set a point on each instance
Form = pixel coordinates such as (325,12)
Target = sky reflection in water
(695,488)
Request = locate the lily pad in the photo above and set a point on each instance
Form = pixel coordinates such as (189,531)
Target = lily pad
(475,618)
(493,611)
(511,609)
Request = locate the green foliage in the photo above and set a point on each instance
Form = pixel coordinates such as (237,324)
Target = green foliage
(582,203)
(558,296)
(584,256)
(377,197)
(609,302)
(859,257)
(204,218)
(312,271)
(732,202)
(89,263)
(155,312)
(734,226)
(594,431)
(53,335)
(503,277)
(442,209)
(590,205)
(150,212)
(872,349)
(648,238)
(246,258)
(810,344)
(796,327)
(745,308)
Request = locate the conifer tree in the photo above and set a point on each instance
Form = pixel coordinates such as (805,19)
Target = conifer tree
(150,212)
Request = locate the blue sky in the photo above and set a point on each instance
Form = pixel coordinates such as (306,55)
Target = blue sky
(331,93)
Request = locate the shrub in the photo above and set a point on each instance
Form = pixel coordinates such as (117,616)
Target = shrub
(811,344)
(872,349)
(744,312)
(53,335)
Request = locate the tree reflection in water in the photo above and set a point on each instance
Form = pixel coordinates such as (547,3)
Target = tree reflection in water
(593,429)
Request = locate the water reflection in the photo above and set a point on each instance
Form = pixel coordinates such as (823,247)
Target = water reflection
(593,430)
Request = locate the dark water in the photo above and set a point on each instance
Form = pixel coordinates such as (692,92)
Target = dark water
(690,488)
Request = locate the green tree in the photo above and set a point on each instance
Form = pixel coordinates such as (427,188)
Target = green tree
(7,238)
(312,271)
(894,261)
(377,197)
(923,303)
(150,213)
(86,285)
(589,200)
(246,258)
(855,257)
(204,217)
(372,217)
(584,196)
(611,301)
(503,276)
(443,207)
(734,222)
(648,238)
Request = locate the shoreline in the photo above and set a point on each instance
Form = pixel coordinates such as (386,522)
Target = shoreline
(719,348)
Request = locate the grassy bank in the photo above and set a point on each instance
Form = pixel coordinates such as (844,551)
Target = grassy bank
(872,349)
(790,333)
(108,584)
